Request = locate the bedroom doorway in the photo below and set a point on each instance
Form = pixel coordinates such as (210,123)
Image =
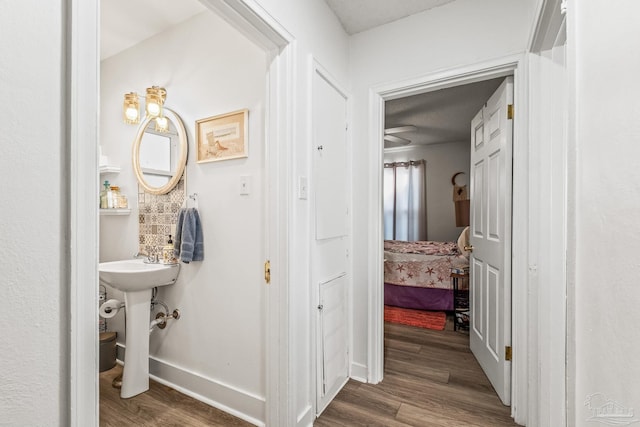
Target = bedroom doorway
(436,88)
(440,130)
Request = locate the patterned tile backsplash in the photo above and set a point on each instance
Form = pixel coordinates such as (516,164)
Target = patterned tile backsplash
(157,217)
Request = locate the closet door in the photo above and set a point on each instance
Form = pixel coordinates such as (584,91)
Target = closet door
(329,260)
(333,356)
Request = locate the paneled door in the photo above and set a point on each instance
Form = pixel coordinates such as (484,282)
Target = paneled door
(333,357)
(329,258)
(490,237)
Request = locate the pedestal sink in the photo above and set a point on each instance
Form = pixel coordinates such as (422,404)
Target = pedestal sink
(136,279)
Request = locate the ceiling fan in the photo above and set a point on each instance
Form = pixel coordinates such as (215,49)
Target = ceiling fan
(390,134)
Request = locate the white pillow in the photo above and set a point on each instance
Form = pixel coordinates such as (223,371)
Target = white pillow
(463,240)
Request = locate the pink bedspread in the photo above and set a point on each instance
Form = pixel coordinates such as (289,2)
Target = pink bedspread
(421,264)
(422,247)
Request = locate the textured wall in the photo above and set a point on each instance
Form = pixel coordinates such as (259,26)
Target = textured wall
(33,382)
(604,66)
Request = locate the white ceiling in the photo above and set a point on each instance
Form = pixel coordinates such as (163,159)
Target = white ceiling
(125,23)
(361,15)
(440,116)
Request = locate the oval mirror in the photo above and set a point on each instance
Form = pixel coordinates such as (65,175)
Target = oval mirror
(159,157)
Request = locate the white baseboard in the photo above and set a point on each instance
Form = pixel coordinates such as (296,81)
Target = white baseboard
(359,372)
(227,398)
(306,417)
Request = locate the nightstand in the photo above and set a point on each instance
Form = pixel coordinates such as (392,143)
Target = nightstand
(460,284)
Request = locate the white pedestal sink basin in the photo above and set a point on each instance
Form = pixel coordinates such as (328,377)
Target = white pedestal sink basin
(136,279)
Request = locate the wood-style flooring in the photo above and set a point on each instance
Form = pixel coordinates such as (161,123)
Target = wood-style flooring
(431,379)
(160,406)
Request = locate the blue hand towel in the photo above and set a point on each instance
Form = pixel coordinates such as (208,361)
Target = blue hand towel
(178,237)
(189,242)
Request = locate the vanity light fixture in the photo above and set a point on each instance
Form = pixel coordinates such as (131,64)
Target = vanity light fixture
(131,108)
(154,101)
(155,98)
(162,124)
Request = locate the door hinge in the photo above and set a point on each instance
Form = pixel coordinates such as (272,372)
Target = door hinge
(507,353)
(267,271)
(510,111)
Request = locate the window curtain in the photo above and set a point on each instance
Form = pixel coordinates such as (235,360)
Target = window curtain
(405,200)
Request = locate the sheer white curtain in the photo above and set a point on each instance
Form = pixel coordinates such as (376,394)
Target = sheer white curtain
(405,201)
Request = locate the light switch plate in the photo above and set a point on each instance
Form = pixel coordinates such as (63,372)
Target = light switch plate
(303,189)
(245,185)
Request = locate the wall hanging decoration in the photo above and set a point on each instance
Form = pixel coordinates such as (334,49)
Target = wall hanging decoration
(460,200)
(459,189)
(222,137)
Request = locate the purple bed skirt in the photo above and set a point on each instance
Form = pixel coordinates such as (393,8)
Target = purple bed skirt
(418,298)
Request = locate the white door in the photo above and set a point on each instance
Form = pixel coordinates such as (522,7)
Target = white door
(490,263)
(329,249)
(333,358)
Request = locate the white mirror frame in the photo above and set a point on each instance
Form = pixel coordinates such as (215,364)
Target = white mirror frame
(182,160)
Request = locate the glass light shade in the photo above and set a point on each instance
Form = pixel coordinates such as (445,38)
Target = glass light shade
(131,108)
(155,98)
(162,124)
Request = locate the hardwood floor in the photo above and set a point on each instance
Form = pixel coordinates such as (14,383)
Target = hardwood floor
(160,406)
(431,379)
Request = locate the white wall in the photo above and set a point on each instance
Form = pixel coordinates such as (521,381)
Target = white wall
(443,160)
(33,384)
(459,33)
(208,68)
(604,203)
(318,35)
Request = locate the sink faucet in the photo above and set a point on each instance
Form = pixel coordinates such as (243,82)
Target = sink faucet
(149,258)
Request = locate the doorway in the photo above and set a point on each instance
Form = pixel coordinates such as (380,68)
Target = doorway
(449,79)
(254,22)
(443,129)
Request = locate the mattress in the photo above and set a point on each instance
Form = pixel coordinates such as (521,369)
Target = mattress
(421,264)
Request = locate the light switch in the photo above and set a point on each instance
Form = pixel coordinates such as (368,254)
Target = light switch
(302,188)
(245,185)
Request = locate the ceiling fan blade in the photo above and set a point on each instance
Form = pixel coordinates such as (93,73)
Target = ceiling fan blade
(400,129)
(397,139)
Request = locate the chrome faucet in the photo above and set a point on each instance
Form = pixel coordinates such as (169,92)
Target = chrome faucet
(151,258)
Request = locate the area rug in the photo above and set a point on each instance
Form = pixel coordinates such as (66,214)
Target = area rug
(420,318)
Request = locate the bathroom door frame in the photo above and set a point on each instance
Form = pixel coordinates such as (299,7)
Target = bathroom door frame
(81,107)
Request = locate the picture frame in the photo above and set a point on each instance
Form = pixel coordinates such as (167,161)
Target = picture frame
(222,137)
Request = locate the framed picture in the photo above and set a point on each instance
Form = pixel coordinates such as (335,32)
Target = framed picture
(222,137)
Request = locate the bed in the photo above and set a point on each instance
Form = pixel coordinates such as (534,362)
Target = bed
(417,274)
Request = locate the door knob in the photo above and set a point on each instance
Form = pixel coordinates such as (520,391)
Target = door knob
(468,248)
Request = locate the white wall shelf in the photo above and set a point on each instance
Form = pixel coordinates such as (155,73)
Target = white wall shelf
(115,211)
(109,169)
